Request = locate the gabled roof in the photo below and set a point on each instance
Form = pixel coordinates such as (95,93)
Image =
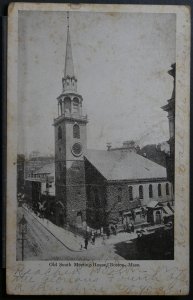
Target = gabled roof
(47,169)
(167,211)
(124,165)
(153,204)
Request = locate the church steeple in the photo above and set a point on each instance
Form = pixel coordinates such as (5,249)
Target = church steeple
(70,146)
(69,80)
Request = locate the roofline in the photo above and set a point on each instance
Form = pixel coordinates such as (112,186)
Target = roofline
(117,181)
(143,180)
(105,179)
(38,173)
(33,179)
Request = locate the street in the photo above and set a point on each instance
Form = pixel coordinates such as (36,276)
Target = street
(40,244)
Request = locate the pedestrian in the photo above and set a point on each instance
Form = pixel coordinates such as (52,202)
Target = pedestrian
(108,233)
(115,229)
(132,227)
(93,239)
(86,242)
(103,241)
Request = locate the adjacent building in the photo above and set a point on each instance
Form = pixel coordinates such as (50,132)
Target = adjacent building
(170,109)
(33,179)
(20,173)
(42,187)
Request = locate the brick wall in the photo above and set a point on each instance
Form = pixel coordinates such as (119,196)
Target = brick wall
(96,197)
(75,191)
(70,173)
(118,199)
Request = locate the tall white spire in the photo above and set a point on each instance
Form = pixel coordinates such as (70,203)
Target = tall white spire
(69,67)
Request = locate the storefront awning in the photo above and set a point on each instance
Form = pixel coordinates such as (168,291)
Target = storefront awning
(128,213)
(167,212)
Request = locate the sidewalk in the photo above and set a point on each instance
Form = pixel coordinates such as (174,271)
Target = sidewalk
(76,243)
(71,241)
(114,239)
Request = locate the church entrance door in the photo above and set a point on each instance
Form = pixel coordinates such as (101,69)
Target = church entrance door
(79,219)
(61,220)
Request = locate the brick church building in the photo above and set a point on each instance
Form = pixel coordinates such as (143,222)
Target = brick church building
(98,187)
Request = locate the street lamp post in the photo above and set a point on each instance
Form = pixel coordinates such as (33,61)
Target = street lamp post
(22,231)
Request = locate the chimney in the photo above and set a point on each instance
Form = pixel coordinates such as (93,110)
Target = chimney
(109,146)
(129,145)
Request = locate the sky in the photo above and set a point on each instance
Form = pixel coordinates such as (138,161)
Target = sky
(121,62)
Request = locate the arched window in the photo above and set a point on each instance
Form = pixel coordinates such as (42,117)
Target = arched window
(76,131)
(159,190)
(119,194)
(140,192)
(150,191)
(59,133)
(75,105)
(79,213)
(96,198)
(60,104)
(67,104)
(130,193)
(167,189)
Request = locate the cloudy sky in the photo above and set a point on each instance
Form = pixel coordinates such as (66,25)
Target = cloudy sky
(121,62)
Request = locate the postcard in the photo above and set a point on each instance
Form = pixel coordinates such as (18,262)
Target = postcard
(98,149)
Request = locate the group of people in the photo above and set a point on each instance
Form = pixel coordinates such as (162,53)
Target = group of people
(129,227)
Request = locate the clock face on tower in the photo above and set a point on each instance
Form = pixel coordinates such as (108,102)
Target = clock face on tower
(77,149)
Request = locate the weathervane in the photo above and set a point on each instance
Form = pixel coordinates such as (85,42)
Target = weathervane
(68,19)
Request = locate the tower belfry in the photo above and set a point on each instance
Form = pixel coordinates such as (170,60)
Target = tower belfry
(70,146)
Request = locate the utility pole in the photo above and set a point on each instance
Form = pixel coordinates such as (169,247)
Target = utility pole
(22,231)
(22,247)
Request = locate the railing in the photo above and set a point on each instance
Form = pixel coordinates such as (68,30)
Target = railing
(72,115)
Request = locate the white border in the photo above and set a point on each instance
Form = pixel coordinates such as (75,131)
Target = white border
(152,277)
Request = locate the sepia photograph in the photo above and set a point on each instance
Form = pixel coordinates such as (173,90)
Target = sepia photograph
(96,111)
(97,149)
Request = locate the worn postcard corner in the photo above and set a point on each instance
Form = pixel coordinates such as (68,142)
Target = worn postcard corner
(98,104)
